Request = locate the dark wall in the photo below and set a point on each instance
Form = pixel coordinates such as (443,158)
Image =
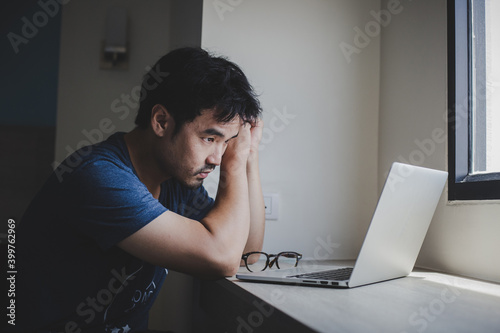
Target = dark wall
(29,61)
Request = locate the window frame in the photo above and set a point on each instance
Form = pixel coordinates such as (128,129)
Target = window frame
(462,183)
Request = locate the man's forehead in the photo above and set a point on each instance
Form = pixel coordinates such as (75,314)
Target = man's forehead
(207,121)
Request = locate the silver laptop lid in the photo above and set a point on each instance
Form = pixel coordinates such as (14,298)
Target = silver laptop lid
(399,224)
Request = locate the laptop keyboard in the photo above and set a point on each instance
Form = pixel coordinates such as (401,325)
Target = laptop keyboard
(339,274)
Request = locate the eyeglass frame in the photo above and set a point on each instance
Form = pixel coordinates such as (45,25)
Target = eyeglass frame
(271,259)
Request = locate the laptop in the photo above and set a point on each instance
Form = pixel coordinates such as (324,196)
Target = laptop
(391,246)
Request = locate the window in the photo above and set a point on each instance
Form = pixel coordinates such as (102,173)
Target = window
(474,99)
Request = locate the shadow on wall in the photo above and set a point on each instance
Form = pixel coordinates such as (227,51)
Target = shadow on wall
(29,62)
(27,154)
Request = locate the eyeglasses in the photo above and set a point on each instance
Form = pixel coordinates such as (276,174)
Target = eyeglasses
(254,262)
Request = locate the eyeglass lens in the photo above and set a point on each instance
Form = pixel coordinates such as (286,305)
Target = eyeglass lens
(257,262)
(286,260)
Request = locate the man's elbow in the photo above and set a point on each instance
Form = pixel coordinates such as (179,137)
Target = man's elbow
(224,265)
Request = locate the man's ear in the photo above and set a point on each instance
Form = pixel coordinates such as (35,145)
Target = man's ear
(161,120)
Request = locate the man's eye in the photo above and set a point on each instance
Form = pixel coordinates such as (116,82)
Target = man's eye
(209,139)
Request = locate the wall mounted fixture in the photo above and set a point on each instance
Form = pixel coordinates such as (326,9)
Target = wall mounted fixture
(114,49)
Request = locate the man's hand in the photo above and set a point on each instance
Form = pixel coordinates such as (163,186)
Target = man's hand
(256,133)
(236,155)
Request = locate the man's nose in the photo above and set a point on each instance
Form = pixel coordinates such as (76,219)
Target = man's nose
(216,157)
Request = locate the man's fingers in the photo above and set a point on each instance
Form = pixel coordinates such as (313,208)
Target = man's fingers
(257,122)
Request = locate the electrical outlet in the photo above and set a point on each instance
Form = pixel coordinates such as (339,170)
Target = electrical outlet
(271,201)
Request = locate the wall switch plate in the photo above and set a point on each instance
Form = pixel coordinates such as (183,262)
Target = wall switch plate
(271,201)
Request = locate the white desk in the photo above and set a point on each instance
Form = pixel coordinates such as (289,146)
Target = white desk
(422,302)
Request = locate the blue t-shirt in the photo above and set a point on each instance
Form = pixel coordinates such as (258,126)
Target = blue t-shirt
(71,275)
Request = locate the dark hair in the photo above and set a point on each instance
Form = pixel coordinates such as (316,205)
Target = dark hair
(189,80)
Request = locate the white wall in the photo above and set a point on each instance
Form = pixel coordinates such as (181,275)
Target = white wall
(322,158)
(463,238)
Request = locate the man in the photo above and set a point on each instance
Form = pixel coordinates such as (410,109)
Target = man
(95,242)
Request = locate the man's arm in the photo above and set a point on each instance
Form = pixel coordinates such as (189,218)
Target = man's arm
(213,247)
(257,207)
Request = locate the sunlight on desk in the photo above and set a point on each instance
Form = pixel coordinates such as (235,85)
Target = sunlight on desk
(477,286)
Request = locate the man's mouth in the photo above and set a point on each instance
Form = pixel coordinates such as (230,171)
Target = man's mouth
(204,173)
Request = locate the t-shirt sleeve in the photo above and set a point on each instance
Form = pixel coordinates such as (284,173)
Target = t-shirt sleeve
(108,203)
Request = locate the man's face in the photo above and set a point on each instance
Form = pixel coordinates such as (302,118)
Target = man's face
(196,149)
